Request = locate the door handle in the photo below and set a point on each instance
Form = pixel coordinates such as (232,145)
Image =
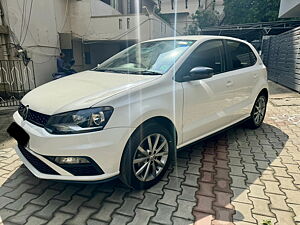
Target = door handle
(229,83)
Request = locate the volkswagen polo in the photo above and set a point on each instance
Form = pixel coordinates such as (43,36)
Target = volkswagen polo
(128,116)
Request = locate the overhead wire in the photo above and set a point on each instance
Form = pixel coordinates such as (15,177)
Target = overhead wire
(23,17)
(29,17)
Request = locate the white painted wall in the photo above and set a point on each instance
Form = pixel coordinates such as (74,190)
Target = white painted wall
(47,19)
(89,26)
(289,8)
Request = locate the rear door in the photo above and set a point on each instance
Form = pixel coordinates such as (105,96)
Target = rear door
(244,73)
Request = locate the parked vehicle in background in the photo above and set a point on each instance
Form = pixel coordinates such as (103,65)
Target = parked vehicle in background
(127,117)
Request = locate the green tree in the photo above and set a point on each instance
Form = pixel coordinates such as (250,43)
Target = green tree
(250,11)
(202,19)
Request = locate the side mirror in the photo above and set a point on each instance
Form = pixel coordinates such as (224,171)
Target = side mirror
(199,73)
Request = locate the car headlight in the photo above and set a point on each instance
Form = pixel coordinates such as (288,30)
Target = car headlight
(80,121)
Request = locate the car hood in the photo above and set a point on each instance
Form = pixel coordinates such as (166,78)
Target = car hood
(79,91)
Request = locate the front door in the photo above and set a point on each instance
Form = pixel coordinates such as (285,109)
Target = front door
(205,101)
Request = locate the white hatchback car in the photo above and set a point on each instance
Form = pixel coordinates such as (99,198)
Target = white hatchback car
(128,116)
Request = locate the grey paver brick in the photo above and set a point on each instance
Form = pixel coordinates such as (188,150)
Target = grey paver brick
(195,161)
(249,167)
(188,193)
(157,188)
(193,169)
(4,190)
(257,191)
(261,207)
(235,162)
(21,202)
(5,213)
(48,211)
(137,194)
(35,220)
(272,187)
(120,219)
(163,214)
(178,172)
(59,218)
(292,196)
(169,197)
(191,180)
(66,195)
(185,209)
(253,178)
(95,222)
(82,216)
(41,187)
(22,216)
(150,201)
(237,171)
(280,172)
(181,221)
(5,201)
(106,211)
(278,202)
(96,201)
(284,217)
(239,182)
(142,217)
(16,193)
(118,195)
(88,190)
(74,204)
(241,195)
(243,212)
(174,183)
(128,207)
(45,197)
(16,182)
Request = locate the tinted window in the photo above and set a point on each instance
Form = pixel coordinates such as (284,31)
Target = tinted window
(209,54)
(241,55)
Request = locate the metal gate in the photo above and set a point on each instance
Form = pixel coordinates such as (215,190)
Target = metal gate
(16,79)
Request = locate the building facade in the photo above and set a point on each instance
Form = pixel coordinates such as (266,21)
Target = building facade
(89,31)
(180,12)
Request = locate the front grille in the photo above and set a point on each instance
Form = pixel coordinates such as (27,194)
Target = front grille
(37,163)
(34,117)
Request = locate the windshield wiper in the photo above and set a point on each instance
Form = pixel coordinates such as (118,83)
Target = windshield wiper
(109,70)
(149,72)
(143,72)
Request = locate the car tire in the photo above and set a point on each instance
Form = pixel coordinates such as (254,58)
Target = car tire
(258,112)
(147,156)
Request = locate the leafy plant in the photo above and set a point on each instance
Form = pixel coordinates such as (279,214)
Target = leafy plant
(250,11)
(202,19)
(267,222)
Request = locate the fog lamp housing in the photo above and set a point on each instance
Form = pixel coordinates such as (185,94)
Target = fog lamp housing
(69,160)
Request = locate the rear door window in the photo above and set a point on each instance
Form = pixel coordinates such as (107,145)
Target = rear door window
(240,55)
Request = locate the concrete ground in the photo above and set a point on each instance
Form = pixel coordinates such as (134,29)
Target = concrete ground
(240,177)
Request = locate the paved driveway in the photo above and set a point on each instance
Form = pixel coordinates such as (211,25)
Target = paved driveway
(239,177)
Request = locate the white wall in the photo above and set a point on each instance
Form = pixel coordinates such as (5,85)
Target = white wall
(47,19)
(289,8)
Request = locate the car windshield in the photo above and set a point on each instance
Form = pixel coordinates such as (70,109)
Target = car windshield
(148,58)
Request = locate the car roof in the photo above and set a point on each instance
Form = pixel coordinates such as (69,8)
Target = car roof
(197,38)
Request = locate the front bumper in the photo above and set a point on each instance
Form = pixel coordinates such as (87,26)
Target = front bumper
(104,147)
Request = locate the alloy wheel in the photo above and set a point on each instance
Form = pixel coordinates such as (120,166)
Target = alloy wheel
(259,110)
(150,157)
